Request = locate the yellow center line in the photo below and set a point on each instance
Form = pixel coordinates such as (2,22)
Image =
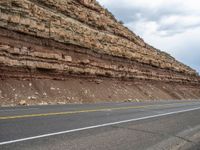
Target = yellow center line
(78,111)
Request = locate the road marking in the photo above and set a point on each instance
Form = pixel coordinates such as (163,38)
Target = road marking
(73,112)
(96,126)
(79,111)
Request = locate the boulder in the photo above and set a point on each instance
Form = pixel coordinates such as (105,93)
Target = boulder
(23,102)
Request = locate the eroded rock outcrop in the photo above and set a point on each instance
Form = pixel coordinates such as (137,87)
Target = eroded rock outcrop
(55,39)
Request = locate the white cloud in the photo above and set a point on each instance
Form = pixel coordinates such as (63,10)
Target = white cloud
(170,25)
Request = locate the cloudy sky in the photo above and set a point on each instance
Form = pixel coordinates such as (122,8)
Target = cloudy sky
(170,25)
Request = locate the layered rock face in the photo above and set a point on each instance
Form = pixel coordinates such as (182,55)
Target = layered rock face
(58,39)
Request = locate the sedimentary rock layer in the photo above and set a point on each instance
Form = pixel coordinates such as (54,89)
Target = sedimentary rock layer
(57,39)
(27,56)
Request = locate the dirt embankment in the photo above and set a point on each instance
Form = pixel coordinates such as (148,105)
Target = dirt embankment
(73,90)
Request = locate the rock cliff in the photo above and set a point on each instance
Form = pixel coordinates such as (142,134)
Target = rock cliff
(78,39)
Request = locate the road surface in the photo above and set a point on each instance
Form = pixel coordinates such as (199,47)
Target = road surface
(106,126)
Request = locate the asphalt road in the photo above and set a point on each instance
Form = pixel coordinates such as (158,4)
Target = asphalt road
(107,126)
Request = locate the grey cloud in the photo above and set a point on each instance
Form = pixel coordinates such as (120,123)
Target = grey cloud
(129,13)
(173,29)
(135,14)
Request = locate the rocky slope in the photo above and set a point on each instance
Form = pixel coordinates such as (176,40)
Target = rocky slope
(58,40)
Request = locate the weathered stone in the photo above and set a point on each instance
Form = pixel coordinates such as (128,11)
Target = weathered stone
(97,81)
(4,47)
(61,103)
(68,58)
(117,40)
(43,103)
(22,102)
(85,61)
(45,41)
(32,98)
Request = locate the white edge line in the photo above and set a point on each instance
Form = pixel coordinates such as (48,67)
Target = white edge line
(96,126)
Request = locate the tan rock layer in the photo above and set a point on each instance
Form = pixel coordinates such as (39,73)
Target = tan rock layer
(42,58)
(82,23)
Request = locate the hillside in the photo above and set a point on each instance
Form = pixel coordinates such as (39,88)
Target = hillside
(75,51)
